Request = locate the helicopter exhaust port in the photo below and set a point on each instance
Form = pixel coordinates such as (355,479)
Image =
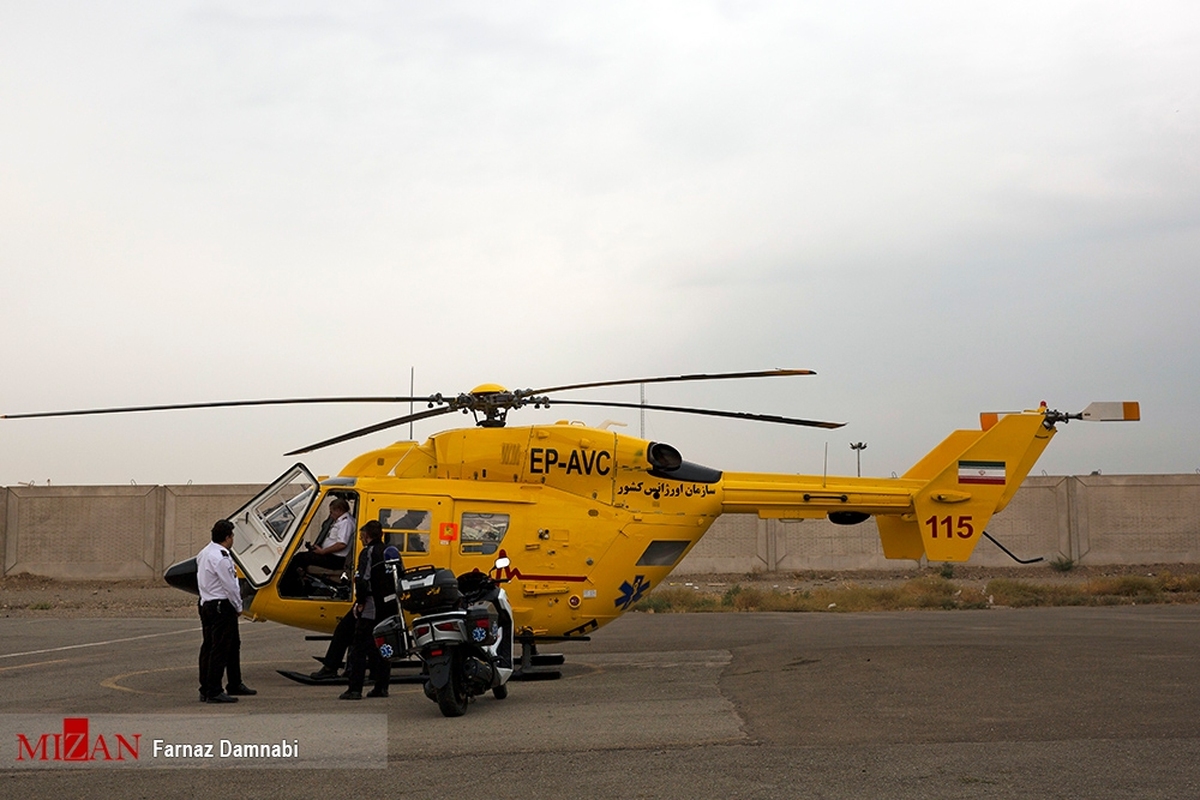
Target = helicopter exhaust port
(666,462)
(663,457)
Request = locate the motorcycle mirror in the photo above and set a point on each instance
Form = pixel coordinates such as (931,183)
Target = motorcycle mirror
(502,563)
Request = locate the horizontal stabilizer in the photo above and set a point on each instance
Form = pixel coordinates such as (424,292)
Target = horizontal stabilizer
(968,477)
(1112,412)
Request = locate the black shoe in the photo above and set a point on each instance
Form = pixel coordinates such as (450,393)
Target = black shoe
(349,695)
(241,689)
(221,698)
(377,693)
(203,697)
(324,674)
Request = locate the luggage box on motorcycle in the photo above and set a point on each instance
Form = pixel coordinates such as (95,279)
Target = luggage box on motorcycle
(426,587)
(481,625)
(391,637)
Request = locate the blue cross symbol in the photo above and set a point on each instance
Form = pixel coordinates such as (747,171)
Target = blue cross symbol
(630,594)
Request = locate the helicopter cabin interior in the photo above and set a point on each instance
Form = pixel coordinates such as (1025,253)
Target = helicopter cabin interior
(407,525)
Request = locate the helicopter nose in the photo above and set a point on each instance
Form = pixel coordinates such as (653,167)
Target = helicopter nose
(182,575)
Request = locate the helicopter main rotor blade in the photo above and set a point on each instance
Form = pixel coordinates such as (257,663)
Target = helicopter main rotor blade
(221,404)
(707,412)
(379,426)
(711,376)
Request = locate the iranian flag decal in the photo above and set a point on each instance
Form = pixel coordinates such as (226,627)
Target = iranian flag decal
(991,472)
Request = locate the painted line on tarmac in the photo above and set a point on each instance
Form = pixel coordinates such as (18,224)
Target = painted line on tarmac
(115,681)
(112,683)
(35,664)
(96,644)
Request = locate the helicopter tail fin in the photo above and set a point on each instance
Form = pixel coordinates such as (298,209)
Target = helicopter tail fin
(969,477)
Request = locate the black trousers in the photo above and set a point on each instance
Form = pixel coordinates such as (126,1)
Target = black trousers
(343,636)
(364,651)
(221,651)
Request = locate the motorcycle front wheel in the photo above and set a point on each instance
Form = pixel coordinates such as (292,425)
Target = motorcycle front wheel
(452,698)
(500,692)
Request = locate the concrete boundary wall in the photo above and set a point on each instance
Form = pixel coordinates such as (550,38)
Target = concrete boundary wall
(115,532)
(110,532)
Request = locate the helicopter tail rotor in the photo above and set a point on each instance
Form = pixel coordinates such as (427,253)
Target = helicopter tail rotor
(973,475)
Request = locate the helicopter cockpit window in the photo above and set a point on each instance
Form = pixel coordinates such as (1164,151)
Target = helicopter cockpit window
(322,576)
(482,533)
(407,529)
(281,509)
(266,526)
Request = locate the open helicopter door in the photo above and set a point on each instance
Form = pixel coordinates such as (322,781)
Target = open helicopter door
(264,527)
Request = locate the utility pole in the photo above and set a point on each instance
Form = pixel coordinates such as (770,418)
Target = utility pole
(858,447)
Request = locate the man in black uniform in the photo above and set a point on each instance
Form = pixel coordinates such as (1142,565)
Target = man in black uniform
(339,643)
(372,602)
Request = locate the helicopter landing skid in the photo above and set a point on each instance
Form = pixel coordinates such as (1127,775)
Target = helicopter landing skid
(523,674)
(533,664)
(341,680)
(308,680)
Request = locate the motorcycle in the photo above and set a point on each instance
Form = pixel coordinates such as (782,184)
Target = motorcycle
(462,631)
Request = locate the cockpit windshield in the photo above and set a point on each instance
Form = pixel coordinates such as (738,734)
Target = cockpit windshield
(264,526)
(281,518)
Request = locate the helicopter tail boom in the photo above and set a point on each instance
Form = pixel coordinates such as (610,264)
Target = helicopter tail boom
(937,510)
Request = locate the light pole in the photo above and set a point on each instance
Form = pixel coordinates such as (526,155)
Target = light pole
(858,447)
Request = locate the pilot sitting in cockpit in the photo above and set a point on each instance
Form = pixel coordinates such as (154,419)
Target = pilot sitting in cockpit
(332,545)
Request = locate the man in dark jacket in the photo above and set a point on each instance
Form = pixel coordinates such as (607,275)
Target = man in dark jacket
(372,602)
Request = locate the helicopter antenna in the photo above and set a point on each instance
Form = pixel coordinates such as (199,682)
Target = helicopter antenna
(825,469)
(642,411)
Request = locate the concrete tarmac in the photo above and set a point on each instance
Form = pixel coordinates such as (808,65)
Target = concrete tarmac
(1048,703)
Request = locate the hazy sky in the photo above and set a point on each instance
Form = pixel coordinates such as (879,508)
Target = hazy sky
(942,208)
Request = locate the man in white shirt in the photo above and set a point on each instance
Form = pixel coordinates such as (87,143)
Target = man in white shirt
(333,545)
(220,607)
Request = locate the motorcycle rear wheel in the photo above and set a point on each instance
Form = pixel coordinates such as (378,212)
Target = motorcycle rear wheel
(452,698)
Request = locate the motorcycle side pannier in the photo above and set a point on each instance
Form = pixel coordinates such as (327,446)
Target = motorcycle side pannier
(426,587)
(481,625)
(390,634)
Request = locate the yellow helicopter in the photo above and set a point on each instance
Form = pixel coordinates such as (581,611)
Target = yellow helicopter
(591,519)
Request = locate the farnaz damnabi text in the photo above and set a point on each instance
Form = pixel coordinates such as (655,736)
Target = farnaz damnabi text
(226,748)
